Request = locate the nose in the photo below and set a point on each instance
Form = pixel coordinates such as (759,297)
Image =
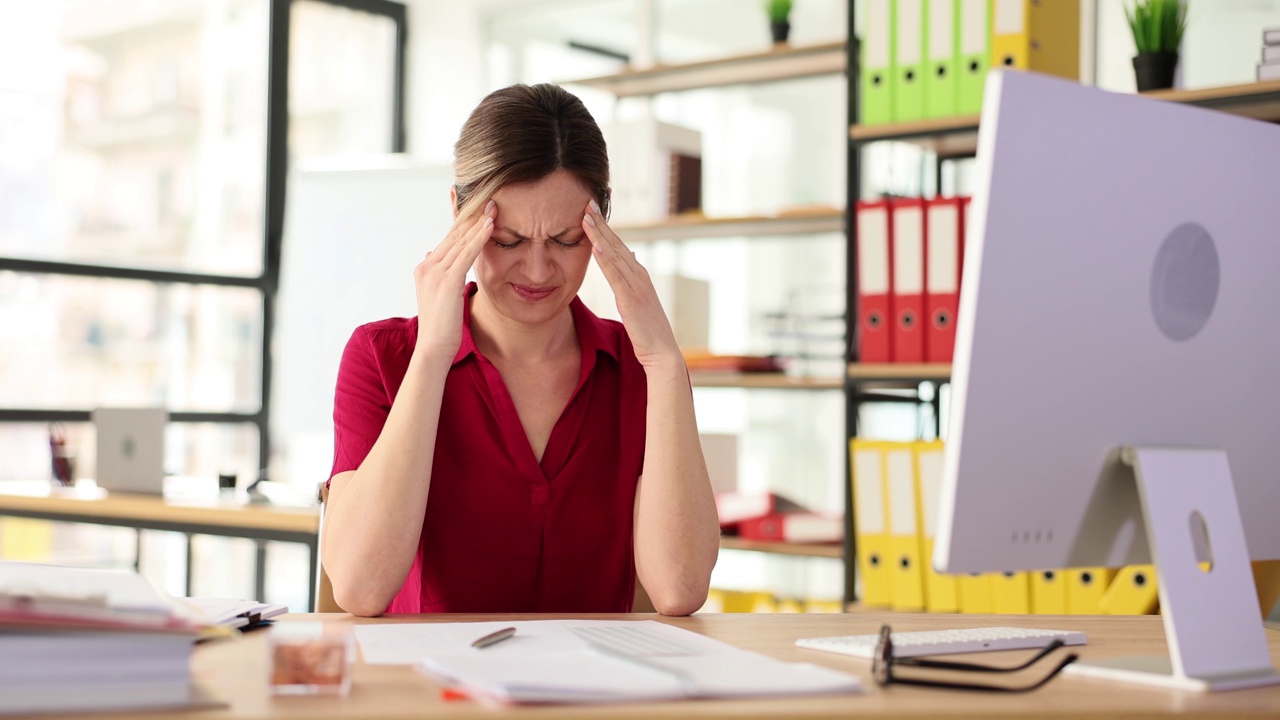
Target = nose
(538,264)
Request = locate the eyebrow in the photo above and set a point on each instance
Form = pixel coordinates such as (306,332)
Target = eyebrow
(558,237)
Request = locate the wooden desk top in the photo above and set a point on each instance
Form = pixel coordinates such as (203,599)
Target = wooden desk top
(235,670)
(85,502)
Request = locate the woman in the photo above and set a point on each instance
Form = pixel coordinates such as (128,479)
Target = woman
(489,452)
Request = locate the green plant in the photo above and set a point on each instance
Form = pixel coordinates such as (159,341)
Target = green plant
(779,10)
(1157,25)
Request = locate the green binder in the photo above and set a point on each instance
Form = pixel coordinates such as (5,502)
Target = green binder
(876,64)
(973,46)
(941,85)
(910,67)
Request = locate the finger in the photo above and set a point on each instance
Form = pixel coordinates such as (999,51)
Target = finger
(474,245)
(606,258)
(465,239)
(611,239)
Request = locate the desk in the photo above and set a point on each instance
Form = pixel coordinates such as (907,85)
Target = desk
(191,514)
(235,670)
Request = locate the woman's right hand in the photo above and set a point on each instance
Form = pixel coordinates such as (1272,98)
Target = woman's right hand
(440,279)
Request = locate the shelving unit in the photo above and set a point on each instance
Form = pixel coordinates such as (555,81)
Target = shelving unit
(782,62)
(957,137)
(781,548)
(950,139)
(685,228)
(764,381)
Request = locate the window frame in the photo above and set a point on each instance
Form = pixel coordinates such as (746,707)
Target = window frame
(267,283)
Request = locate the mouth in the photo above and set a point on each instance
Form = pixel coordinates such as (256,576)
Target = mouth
(533,293)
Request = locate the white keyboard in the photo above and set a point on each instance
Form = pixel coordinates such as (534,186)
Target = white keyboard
(944,642)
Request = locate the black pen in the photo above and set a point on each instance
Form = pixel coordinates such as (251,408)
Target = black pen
(494,638)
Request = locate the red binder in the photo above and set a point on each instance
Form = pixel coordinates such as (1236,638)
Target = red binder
(735,507)
(908,239)
(875,281)
(944,253)
(798,527)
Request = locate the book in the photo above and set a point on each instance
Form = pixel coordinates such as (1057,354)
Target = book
(1271,36)
(795,527)
(1268,72)
(735,507)
(76,639)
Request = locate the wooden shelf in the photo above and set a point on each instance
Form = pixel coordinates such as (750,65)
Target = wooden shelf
(782,62)
(764,380)
(899,371)
(683,228)
(948,137)
(958,136)
(1258,100)
(781,548)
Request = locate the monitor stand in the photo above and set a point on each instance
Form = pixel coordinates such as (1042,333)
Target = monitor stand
(1211,617)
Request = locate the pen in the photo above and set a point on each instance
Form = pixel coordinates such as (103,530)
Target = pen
(494,638)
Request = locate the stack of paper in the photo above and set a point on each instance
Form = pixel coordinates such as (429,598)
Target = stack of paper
(82,639)
(593,661)
(232,613)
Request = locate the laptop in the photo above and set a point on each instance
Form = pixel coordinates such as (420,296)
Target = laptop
(131,449)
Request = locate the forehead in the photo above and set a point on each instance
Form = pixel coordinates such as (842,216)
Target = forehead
(558,199)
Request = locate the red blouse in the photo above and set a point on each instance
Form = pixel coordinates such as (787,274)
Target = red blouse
(504,533)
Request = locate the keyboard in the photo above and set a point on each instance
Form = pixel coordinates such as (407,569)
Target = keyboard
(944,642)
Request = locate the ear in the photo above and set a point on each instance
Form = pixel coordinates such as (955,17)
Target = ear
(453,200)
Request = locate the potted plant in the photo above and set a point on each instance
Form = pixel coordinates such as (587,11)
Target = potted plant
(1157,27)
(779,19)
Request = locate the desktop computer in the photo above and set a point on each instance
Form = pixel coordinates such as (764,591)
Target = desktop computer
(1113,399)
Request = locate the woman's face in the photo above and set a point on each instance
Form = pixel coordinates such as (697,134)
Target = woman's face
(532,267)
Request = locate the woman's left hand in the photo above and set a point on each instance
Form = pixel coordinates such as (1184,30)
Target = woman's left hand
(642,315)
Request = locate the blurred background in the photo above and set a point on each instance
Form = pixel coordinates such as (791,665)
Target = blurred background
(159,246)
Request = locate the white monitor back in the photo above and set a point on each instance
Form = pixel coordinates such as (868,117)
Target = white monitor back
(352,238)
(130,449)
(1078,334)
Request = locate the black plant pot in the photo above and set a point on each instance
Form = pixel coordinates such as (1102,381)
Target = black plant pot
(780,31)
(1154,71)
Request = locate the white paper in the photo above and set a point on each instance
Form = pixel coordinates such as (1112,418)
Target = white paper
(547,661)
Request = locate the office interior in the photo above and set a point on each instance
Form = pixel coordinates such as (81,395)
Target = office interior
(134,134)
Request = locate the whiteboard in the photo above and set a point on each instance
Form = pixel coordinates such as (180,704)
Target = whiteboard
(352,237)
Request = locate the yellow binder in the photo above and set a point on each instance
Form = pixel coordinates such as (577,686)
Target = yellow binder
(974,591)
(1011,593)
(1037,35)
(941,592)
(1048,592)
(1266,578)
(1085,588)
(871,530)
(904,528)
(1133,592)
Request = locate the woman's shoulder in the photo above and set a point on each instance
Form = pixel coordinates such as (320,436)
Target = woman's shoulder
(390,336)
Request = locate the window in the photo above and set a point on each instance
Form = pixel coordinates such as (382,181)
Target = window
(142,172)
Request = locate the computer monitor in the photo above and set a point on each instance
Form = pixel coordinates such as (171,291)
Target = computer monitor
(130,449)
(1117,348)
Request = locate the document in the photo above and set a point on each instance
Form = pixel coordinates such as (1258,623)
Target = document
(594,661)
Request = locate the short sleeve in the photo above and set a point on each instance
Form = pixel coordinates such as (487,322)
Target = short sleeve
(361,403)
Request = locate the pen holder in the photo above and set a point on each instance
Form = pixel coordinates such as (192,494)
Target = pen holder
(311,658)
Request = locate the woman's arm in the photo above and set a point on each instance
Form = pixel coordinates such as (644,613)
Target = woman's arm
(373,519)
(677,533)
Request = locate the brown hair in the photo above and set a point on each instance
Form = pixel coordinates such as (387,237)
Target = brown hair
(522,134)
